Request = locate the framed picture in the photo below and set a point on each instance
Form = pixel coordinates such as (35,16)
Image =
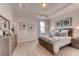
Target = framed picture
(67,22)
(23,26)
(30,27)
(58,23)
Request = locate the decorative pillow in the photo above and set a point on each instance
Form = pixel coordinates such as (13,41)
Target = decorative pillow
(57,34)
(51,34)
(64,33)
(57,31)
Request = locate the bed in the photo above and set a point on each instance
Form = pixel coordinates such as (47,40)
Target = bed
(53,44)
(60,41)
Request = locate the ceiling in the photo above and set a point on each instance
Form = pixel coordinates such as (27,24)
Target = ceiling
(37,9)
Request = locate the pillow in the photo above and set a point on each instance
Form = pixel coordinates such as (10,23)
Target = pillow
(51,34)
(64,33)
(57,34)
(57,31)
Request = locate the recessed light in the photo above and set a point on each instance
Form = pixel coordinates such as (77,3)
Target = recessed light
(44,5)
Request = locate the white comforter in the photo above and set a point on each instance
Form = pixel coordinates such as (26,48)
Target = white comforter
(59,42)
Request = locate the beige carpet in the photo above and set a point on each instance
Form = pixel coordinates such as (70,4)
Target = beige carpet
(69,51)
(33,49)
(30,49)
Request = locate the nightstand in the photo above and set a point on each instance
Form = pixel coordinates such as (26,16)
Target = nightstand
(75,43)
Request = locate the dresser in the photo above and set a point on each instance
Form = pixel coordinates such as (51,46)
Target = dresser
(12,43)
(8,44)
(4,46)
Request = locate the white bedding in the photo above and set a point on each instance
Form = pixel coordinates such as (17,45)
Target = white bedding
(59,42)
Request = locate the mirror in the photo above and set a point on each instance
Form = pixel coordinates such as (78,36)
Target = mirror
(4,23)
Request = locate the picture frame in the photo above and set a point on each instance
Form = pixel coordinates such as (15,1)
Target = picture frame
(23,26)
(30,27)
(67,22)
(58,23)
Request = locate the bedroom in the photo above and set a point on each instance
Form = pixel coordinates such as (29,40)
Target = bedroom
(67,11)
(39,29)
(63,28)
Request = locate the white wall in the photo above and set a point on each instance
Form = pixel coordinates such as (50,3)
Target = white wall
(6,11)
(26,35)
(23,35)
(75,18)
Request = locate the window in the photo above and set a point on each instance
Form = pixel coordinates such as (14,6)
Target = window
(42,27)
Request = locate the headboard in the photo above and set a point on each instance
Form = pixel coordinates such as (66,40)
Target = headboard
(70,32)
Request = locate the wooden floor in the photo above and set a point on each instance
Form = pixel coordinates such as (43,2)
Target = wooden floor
(30,49)
(34,49)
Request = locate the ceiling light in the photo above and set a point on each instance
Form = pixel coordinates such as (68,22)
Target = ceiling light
(44,5)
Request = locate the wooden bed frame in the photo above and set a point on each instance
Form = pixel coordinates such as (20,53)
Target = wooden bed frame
(48,45)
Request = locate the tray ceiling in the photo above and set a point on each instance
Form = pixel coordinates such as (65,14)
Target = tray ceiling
(37,9)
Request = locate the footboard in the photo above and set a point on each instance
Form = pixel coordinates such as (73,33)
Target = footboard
(47,45)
